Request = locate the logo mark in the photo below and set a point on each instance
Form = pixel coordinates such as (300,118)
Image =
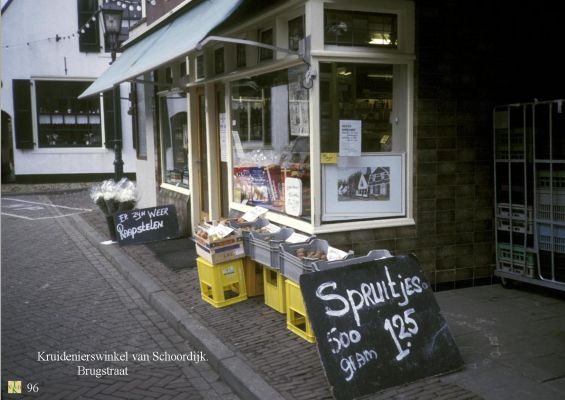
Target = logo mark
(15,387)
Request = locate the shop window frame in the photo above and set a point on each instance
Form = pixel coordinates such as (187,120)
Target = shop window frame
(403,55)
(179,186)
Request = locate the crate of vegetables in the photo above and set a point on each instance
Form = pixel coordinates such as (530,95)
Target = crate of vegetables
(299,258)
(218,243)
(246,228)
(323,265)
(264,247)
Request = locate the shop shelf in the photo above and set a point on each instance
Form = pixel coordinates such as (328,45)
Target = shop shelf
(274,290)
(221,284)
(264,247)
(296,317)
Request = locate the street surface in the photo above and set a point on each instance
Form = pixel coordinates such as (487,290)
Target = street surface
(64,306)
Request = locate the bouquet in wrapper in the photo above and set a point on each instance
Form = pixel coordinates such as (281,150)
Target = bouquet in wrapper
(112,197)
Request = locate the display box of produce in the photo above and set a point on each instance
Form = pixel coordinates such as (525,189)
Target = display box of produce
(219,243)
(264,247)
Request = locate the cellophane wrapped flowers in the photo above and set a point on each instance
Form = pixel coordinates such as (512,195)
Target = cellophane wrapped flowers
(111,196)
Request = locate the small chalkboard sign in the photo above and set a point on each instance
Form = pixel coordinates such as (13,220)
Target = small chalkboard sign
(146,225)
(377,324)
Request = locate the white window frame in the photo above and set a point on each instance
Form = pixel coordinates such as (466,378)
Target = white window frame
(35,120)
(402,55)
(164,185)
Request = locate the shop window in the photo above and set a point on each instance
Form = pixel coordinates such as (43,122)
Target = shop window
(241,56)
(363,124)
(351,28)
(65,121)
(174,136)
(219,61)
(266,37)
(358,92)
(271,143)
(295,32)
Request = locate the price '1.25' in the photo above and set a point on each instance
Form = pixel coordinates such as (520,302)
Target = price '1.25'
(401,328)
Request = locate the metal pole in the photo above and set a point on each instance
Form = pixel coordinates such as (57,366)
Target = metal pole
(118,162)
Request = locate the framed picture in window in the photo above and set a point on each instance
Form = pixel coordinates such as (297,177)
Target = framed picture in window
(364,187)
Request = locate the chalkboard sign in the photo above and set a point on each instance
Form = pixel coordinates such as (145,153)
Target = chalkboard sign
(146,225)
(377,324)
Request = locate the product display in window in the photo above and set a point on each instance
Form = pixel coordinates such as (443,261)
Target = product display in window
(360,94)
(270,138)
(64,121)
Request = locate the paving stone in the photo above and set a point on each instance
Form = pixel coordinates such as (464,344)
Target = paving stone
(66,296)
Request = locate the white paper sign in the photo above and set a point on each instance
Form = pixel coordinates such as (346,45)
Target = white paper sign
(293,196)
(254,213)
(297,238)
(239,153)
(220,230)
(335,254)
(223,138)
(349,138)
(271,228)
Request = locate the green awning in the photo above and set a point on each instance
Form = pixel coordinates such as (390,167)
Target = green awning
(171,41)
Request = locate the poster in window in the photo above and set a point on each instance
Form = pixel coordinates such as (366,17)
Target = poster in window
(298,104)
(369,186)
(349,138)
(223,138)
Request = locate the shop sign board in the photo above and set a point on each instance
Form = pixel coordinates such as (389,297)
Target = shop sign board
(146,225)
(377,325)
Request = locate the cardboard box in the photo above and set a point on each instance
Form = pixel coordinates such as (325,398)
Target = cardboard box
(220,250)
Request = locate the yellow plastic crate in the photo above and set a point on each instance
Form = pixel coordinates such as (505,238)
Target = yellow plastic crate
(221,284)
(296,318)
(273,288)
(253,277)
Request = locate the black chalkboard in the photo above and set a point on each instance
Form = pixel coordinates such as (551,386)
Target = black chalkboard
(146,225)
(377,325)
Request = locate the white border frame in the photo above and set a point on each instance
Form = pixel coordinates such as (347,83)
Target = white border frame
(362,209)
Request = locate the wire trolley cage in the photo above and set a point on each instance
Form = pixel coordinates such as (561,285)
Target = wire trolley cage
(529,177)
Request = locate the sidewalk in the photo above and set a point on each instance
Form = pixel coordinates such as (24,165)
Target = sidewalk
(512,341)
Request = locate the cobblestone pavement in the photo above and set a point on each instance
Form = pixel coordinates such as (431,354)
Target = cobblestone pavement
(287,362)
(61,295)
(511,341)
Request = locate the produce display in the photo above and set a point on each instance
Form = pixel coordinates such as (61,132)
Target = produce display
(314,255)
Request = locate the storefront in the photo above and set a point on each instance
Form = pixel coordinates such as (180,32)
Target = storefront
(340,140)
(324,143)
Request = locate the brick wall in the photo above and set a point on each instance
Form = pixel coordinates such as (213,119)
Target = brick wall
(181,203)
(453,185)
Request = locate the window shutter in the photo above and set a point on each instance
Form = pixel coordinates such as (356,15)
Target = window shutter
(112,117)
(89,41)
(22,113)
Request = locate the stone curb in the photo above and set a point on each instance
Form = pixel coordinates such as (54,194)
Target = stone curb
(235,371)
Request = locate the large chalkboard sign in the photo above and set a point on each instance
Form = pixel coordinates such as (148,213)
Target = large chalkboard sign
(146,225)
(377,325)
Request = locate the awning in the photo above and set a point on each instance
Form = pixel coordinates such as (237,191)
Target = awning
(171,41)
